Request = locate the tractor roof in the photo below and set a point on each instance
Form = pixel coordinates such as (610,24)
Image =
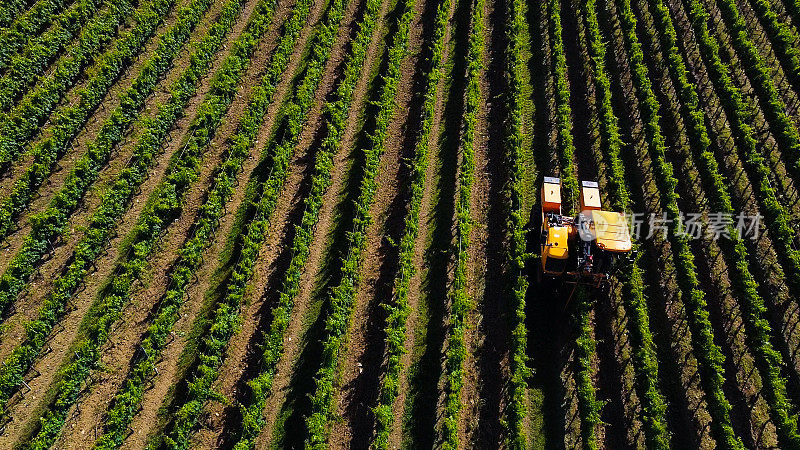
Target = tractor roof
(611,230)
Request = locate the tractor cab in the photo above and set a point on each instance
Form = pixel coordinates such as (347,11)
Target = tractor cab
(555,233)
(582,249)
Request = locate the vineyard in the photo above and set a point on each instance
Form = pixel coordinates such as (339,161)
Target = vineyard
(318,224)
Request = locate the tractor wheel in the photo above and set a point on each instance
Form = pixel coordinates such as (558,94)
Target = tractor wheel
(536,227)
(535,241)
(539,273)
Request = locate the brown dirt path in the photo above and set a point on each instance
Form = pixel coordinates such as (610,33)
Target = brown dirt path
(306,304)
(61,339)
(220,423)
(614,349)
(687,415)
(90,412)
(361,361)
(572,424)
(41,284)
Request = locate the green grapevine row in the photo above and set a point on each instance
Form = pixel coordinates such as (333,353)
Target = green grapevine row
(758,330)
(30,24)
(10,11)
(114,204)
(49,224)
(398,309)
(336,111)
(212,352)
(777,217)
(127,400)
(782,126)
(588,406)
(645,361)
(566,147)
(161,210)
(68,122)
(518,407)
(708,354)
(585,349)
(784,41)
(25,69)
(739,115)
(460,302)
(343,296)
(23,121)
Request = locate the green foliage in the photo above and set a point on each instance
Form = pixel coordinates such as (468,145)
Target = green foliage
(127,401)
(19,125)
(51,224)
(588,406)
(518,405)
(25,69)
(226,317)
(27,26)
(165,203)
(10,10)
(781,126)
(460,302)
(708,354)
(784,40)
(343,295)
(645,360)
(336,113)
(793,8)
(565,146)
(585,349)
(70,119)
(761,76)
(398,309)
(757,328)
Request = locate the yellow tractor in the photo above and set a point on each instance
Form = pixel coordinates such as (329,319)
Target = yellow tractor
(585,249)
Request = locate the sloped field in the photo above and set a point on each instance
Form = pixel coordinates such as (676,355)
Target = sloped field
(313,223)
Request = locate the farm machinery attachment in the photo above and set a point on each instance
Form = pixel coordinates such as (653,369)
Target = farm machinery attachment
(585,249)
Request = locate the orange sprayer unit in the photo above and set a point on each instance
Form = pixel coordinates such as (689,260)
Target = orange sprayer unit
(583,249)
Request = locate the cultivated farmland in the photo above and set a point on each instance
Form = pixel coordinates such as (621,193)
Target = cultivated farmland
(319,224)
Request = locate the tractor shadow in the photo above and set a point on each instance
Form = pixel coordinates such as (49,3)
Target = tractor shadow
(551,336)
